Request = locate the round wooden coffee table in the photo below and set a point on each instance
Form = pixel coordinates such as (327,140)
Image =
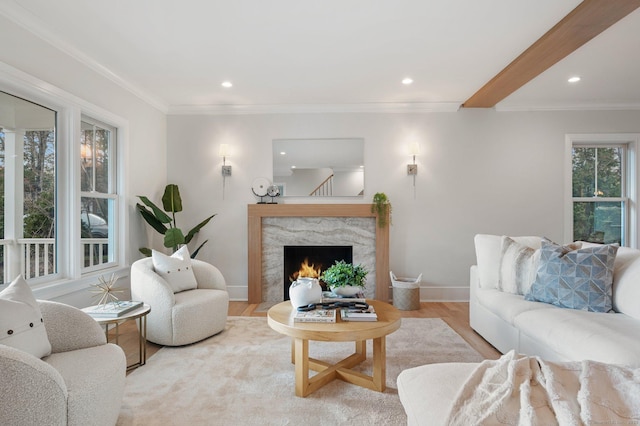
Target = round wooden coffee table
(280,318)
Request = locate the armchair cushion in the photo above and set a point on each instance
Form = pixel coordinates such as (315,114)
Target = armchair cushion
(175,269)
(69,328)
(21,322)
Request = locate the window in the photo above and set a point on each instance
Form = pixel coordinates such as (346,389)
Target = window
(98,196)
(602,188)
(59,183)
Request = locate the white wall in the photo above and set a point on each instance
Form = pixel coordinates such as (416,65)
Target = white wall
(145,151)
(480,171)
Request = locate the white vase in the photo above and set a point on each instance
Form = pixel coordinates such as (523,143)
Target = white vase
(305,291)
(347,290)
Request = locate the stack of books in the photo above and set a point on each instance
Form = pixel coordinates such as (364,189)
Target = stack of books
(368,314)
(316,315)
(112,309)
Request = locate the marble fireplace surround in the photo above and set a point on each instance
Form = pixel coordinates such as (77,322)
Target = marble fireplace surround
(264,221)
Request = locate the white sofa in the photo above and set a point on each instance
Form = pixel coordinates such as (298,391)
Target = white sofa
(507,321)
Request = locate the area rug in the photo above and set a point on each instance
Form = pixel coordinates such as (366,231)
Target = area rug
(244,376)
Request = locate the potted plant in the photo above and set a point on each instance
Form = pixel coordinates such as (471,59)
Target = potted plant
(345,279)
(174,238)
(382,208)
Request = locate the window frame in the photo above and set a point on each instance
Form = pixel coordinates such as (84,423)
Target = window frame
(631,142)
(112,194)
(70,109)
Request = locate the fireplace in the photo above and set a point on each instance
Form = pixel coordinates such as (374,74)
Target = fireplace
(271,227)
(311,261)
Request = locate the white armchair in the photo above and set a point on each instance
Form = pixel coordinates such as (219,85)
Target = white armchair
(80,383)
(185,317)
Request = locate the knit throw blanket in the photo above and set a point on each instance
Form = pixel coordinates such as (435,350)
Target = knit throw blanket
(520,390)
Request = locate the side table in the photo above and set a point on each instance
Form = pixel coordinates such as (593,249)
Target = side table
(139,314)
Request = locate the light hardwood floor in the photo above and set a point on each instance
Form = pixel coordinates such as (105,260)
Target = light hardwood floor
(455,314)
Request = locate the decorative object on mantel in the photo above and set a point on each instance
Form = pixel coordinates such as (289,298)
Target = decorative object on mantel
(273,191)
(106,290)
(260,188)
(345,279)
(382,207)
(305,291)
(154,216)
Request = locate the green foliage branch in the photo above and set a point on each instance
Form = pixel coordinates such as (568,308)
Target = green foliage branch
(342,274)
(381,207)
(164,220)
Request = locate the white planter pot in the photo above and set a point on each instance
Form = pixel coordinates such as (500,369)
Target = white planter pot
(348,291)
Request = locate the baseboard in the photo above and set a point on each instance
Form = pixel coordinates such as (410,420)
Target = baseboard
(444,294)
(427,294)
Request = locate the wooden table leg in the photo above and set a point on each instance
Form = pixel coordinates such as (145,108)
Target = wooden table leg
(379,364)
(301,354)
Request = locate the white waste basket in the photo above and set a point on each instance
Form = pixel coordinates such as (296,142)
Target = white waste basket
(406,292)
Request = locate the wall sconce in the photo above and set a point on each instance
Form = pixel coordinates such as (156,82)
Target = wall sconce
(226,170)
(224,153)
(412,169)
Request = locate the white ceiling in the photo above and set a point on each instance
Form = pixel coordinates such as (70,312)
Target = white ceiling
(304,55)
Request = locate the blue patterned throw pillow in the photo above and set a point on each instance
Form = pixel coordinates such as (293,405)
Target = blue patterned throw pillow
(575,278)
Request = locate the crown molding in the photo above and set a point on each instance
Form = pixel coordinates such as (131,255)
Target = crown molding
(22,18)
(413,107)
(613,106)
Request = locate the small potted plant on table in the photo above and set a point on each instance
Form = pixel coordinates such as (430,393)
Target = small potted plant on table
(345,279)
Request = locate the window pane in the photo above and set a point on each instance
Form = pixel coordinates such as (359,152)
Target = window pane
(94,153)
(39,184)
(97,246)
(598,222)
(597,171)
(28,187)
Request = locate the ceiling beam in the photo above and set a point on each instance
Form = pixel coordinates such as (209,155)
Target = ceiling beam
(587,20)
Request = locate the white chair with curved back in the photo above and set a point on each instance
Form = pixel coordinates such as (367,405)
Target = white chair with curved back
(188,298)
(56,367)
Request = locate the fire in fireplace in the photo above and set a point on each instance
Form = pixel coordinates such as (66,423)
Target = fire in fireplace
(311,261)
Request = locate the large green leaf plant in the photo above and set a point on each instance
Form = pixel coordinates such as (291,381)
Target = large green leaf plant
(164,221)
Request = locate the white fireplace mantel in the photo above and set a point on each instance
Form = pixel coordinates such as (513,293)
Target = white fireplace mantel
(256,213)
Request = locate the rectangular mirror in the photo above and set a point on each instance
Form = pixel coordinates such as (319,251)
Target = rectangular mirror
(319,167)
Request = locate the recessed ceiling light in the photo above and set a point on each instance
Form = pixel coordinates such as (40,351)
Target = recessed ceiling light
(293,167)
(407,81)
(283,153)
(227,84)
(574,79)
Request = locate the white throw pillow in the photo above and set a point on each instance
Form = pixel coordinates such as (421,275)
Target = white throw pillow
(21,323)
(175,269)
(518,266)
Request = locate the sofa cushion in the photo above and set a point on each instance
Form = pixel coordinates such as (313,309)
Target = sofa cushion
(488,255)
(578,335)
(518,266)
(175,269)
(92,374)
(575,278)
(507,306)
(21,323)
(626,282)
